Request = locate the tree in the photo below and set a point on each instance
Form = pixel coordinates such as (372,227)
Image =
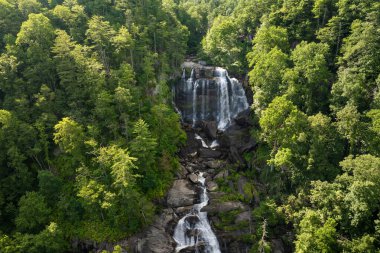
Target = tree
(69,135)
(33,213)
(120,164)
(349,125)
(325,150)
(308,80)
(143,146)
(267,38)
(285,129)
(266,77)
(316,235)
(100,33)
(222,45)
(359,66)
(362,178)
(74,18)
(34,41)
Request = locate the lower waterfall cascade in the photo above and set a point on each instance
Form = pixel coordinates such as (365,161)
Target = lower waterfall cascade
(194,230)
(218,99)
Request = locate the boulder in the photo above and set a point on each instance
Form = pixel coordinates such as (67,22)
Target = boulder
(156,241)
(183,210)
(208,153)
(211,171)
(210,128)
(192,219)
(244,118)
(182,172)
(199,248)
(221,175)
(214,164)
(193,178)
(212,186)
(164,219)
(237,137)
(180,194)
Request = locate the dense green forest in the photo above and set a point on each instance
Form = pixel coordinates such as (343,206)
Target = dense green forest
(89,139)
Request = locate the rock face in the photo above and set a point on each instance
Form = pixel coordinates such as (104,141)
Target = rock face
(209,94)
(156,241)
(224,207)
(210,128)
(181,194)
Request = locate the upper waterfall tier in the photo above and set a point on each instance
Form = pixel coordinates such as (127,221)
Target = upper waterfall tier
(217,98)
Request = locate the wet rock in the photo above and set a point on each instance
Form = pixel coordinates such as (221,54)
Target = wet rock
(192,219)
(210,128)
(215,207)
(208,153)
(239,138)
(193,178)
(199,248)
(180,194)
(212,186)
(244,118)
(183,210)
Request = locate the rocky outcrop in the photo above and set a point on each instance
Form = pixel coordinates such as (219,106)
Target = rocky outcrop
(184,192)
(223,207)
(210,128)
(181,194)
(156,241)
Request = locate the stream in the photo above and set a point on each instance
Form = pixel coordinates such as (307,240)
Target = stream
(194,230)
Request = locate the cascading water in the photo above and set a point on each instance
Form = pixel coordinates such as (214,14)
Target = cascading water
(194,230)
(217,98)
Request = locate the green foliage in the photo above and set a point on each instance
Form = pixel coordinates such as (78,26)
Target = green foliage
(33,213)
(75,77)
(316,235)
(308,80)
(69,135)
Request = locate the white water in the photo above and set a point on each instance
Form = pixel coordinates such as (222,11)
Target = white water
(214,144)
(219,99)
(194,229)
(224,116)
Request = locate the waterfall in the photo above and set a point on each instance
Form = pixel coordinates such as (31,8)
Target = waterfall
(224,115)
(216,97)
(194,230)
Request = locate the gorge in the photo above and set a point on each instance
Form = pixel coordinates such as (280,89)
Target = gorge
(214,114)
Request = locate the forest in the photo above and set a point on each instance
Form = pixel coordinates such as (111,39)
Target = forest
(89,138)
